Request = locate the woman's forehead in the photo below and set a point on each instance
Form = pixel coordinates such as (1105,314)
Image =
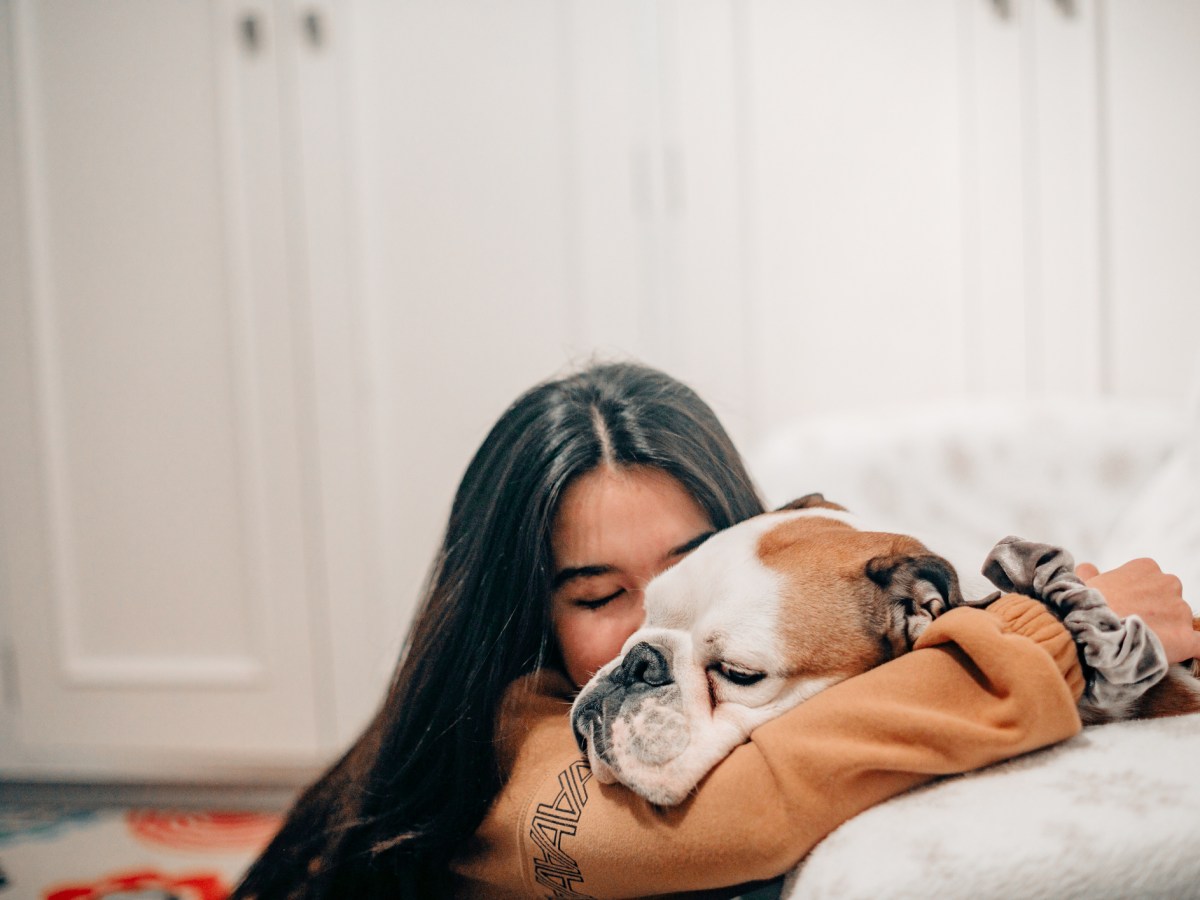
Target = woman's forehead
(628,511)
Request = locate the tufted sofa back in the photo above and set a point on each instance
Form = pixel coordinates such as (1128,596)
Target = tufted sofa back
(1107,480)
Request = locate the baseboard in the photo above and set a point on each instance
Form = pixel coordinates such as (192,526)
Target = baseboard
(261,797)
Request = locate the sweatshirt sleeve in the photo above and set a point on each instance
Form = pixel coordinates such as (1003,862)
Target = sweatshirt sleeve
(980,687)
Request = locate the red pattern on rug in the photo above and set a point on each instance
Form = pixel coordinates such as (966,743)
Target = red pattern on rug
(179,830)
(185,887)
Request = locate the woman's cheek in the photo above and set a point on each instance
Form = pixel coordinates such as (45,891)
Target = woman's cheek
(576,641)
(590,638)
(619,624)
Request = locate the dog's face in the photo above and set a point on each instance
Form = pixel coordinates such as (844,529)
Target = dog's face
(761,617)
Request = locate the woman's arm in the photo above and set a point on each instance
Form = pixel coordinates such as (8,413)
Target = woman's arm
(982,686)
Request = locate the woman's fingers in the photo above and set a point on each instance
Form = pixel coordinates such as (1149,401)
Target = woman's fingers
(1086,571)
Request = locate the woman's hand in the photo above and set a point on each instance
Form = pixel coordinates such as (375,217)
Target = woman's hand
(1141,588)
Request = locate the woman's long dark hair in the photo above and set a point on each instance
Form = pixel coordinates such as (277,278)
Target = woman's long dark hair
(386,819)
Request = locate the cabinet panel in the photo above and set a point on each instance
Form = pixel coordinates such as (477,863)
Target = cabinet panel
(134,356)
(155,534)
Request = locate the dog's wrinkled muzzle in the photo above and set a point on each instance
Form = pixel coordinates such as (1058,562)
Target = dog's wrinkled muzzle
(644,668)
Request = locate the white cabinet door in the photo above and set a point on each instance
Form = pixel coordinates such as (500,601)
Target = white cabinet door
(856,206)
(1082,126)
(1032,151)
(153,482)
(1151,51)
(1032,195)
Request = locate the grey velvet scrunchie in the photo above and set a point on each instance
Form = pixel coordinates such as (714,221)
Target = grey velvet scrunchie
(1122,658)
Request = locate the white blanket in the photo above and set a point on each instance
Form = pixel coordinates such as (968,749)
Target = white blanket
(1114,812)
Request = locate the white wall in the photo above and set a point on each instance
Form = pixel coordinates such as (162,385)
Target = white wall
(795,207)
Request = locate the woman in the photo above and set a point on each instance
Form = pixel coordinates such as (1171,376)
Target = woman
(585,488)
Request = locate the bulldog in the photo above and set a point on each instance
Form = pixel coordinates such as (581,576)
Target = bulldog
(770,612)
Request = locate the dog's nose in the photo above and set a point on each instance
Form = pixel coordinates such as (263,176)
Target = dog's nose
(643,667)
(643,664)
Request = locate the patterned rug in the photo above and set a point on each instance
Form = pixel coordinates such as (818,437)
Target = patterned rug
(63,853)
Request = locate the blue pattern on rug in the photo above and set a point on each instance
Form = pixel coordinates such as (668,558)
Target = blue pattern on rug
(20,823)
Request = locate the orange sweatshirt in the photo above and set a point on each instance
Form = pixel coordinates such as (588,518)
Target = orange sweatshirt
(980,687)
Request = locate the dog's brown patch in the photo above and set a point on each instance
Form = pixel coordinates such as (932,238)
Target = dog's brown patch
(1176,695)
(833,621)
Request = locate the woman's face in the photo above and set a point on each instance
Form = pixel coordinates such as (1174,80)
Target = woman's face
(616,529)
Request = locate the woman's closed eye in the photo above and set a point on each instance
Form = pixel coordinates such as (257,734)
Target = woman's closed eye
(599,601)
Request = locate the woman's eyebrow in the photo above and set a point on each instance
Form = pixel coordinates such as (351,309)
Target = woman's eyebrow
(578,572)
(574,572)
(692,544)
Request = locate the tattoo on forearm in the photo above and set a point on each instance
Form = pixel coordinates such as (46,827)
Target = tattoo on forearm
(553,865)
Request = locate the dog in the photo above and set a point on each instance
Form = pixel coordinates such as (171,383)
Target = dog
(768,613)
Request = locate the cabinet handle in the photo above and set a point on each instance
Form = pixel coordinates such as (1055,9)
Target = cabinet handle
(1003,8)
(314,29)
(251,32)
(1067,7)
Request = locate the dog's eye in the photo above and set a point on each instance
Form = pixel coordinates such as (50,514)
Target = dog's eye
(742,677)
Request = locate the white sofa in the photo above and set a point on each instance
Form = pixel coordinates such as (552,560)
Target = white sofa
(1114,812)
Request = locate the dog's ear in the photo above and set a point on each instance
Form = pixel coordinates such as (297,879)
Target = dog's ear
(810,501)
(918,590)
